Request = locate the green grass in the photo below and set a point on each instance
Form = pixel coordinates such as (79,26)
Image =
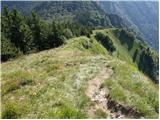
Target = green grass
(131,88)
(121,50)
(52,83)
(11,110)
(100,114)
(19,79)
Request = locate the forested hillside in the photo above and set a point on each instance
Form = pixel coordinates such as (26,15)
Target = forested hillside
(23,35)
(141,15)
(37,25)
(88,13)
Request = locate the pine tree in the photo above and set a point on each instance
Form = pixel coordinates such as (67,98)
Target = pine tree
(8,49)
(39,31)
(56,37)
(26,38)
(15,27)
(6,22)
(21,34)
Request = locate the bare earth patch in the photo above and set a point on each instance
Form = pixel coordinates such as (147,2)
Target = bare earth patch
(98,95)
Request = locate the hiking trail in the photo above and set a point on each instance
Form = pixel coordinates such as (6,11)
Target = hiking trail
(98,94)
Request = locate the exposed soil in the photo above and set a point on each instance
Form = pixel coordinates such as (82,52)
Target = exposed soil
(100,96)
(120,110)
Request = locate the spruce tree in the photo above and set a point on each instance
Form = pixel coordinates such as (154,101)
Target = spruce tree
(56,37)
(39,31)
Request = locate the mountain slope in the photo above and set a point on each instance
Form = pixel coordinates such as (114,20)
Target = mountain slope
(53,83)
(140,15)
(134,51)
(88,13)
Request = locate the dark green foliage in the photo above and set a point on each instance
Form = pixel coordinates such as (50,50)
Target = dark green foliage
(30,34)
(135,55)
(149,64)
(68,33)
(16,30)
(27,38)
(8,49)
(20,33)
(116,21)
(127,38)
(105,41)
(39,31)
(55,37)
(75,29)
(92,19)
(16,22)
(6,21)
(146,59)
(87,13)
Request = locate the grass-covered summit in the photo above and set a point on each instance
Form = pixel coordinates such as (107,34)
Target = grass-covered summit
(53,83)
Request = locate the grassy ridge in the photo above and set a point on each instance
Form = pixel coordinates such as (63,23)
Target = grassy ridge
(131,88)
(52,83)
(133,51)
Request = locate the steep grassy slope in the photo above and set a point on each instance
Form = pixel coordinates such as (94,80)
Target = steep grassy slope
(52,83)
(134,51)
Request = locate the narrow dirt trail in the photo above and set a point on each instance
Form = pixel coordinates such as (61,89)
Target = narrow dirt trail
(98,95)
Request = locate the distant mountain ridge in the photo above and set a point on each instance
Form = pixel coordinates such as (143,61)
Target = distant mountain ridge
(140,15)
(87,12)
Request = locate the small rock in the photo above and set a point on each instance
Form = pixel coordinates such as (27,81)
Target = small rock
(121,116)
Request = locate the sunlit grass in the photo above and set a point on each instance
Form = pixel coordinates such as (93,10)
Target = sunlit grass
(52,83)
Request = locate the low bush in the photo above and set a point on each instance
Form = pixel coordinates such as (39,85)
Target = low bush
(105,41)
(10,111)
